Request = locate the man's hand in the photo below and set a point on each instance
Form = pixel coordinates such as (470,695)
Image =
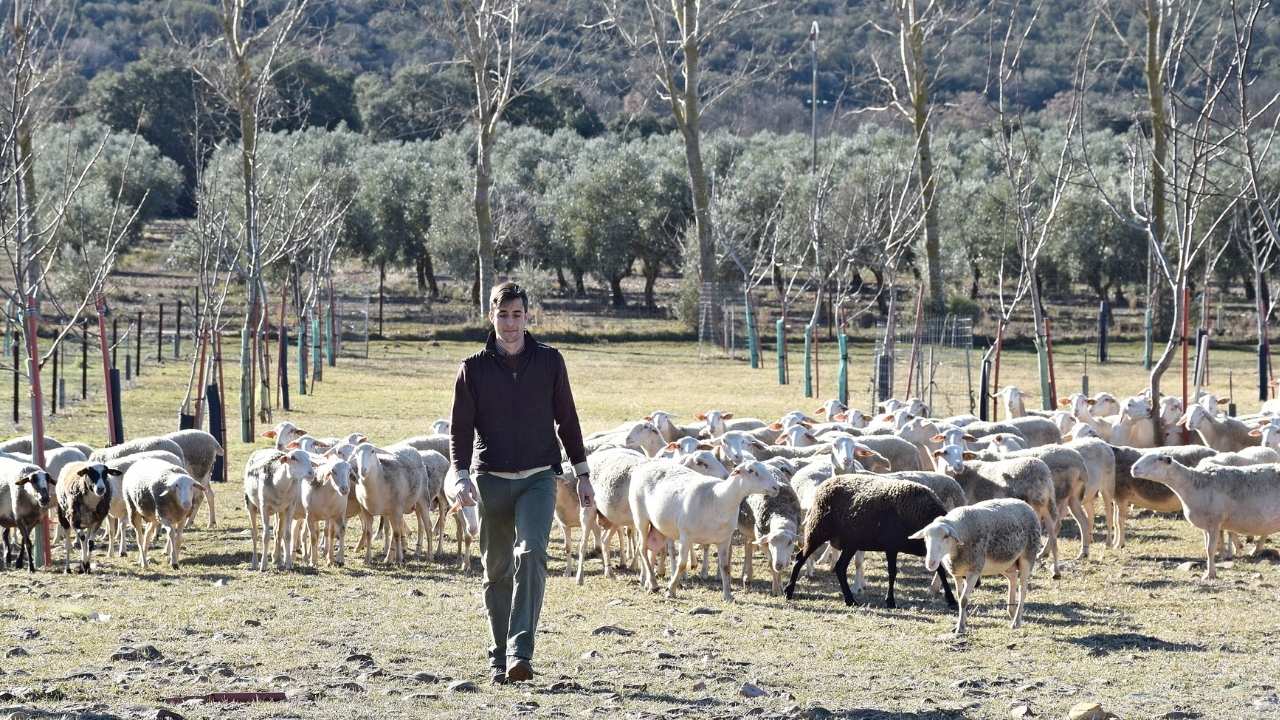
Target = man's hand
(586,493)
(466,492)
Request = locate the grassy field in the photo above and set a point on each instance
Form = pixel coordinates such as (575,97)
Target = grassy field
(1130,630)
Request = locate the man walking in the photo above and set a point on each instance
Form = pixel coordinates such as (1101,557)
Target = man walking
(511,400)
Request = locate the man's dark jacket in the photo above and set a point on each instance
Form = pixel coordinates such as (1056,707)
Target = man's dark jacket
(513,408)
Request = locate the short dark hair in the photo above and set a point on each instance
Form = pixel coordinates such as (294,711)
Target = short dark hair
(505,293)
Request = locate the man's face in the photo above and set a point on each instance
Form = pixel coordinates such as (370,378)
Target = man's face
(509,320)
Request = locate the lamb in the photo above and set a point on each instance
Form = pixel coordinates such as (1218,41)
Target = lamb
(22,444)
(715,420)
(1025,478)
(569,514)
(118,515)
(1170,417)
(138,445)
(54,460)
(676,449)
(439,443)
(441,426)
(272,486)
(1070,476)
(84,497)
(1082,411)
(1242,500)
(993,537)
(901,454)
(776,528)
(201,451)
(324,499)
(1014,402)
(792,453)
(24,496)
(158,494)
(671,501)
(1100,461)
(982,429)
(284,433)
(666,425)
(1037,430)
(386,487)
(1244,458)
(1145,493)
(642,435)
(1225,434)
(1135,427)
(611,472)
(1104,404)
(467,516)
(867,512)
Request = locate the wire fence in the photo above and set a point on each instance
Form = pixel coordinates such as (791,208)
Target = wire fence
(933,362)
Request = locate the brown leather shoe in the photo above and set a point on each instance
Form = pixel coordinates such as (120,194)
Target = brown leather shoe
(519,670)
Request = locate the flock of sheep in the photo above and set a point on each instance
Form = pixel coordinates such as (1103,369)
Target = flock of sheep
(972,498)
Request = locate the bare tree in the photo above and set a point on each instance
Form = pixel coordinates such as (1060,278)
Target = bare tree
(504,50)
(1173,173)
(1255,133)
(906,74)
(239,65)
(676,35)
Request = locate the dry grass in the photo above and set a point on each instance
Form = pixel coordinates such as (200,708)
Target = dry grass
(1127,629)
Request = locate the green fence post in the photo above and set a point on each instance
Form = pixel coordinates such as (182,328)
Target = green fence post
(843,378)
(753,341)
(782,353)
(808,360)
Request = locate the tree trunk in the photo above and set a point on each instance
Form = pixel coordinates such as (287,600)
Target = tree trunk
(1159,147)
(650,279)
(430,272)
(578,288)
(420,274)
(484,213)
(977,276)
(615,288)
(382,284)
(475,286)
(916,73)
(1166,358)
(564,284)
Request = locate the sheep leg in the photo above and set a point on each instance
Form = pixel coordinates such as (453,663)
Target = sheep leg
(683,553)
(1085,525)
(801,558)
(568,547)
(175,544)
(722,559)
(313,530)
(66,552)
(1050,525)
(1012,576)
(1211,549)
(253,535)
(966,588)
(265,519)
(140,533)
(891,558)
(587,521)
(1258,543)
(86,549)
(940,577)
(841,569)
(1025,566)
(1122,516)
(208,494)
(338,547)
(1089,503)
(706,560)
(647,580)
(859,581)
(748,562)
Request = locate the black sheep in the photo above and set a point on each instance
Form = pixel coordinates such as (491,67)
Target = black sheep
(865,512)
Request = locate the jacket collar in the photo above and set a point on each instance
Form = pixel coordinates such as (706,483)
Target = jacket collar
(491,344)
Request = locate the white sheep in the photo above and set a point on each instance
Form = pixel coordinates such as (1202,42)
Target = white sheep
(22,444)
(1244,500)
(776,528)
(272,488)
(24,496)
(1225,434)
(158,494)
(283,434)
(441,426)
(670,501)
(386,488)
(641,435)
(324,499)
(118,515)
(993,537)
(467,516)
(201,451)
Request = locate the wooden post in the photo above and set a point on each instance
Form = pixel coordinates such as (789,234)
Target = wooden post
(177,331)
(84,358)
(914,358)
(1051,402)
(1186,306)
(995,380)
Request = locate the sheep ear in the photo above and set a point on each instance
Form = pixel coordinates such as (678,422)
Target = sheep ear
(969,437)
(938,438)
(362,438)
(706,446)
(1091,401)
(672,445)
(775,426)
(969,455)
(919,534)
(1064,402)
(700,416)
(293,445)
(820,411)
(727,416)
(1224,401)
(840,417)
(1068,437)
(887,417)
(85,471)
(269,434)
(937,453)
(1255,433)
(649,418)
(114,471)
(862,453)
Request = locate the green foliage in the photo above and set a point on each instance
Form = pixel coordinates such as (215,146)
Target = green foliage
(315,95)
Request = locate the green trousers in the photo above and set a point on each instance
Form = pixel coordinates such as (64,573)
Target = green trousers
(515,522)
